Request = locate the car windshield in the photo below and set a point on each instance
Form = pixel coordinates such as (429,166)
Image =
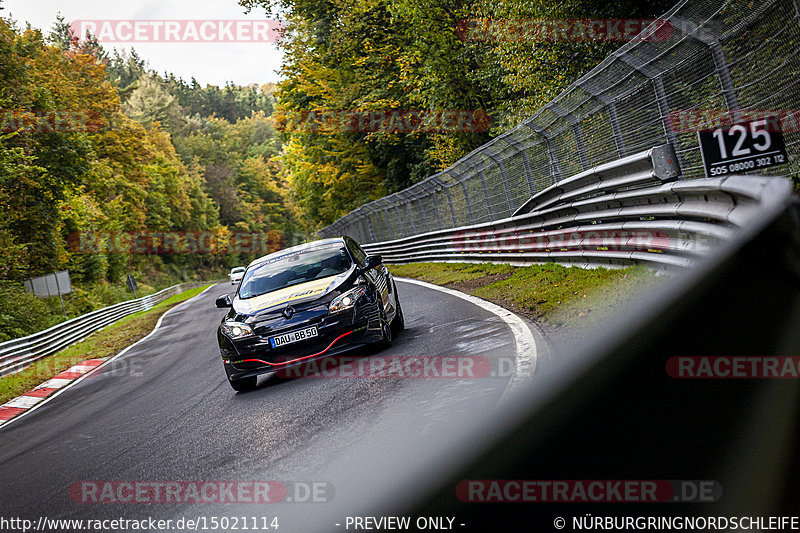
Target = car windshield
(237,270)
(293,269)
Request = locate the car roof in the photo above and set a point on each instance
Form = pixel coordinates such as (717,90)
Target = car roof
(299,247)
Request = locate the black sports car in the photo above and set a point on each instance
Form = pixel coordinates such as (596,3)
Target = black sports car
(313,300)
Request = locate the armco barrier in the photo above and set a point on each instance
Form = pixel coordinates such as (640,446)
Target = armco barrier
(16,354)
(629,211)
(725,58)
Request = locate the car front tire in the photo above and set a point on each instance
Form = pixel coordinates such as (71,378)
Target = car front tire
(399,322)
(386,334)
(244,384)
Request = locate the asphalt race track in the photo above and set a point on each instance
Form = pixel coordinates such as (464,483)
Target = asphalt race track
(164,412)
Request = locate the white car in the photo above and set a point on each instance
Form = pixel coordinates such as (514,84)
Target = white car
(236,275)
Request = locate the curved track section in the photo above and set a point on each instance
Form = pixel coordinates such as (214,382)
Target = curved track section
(163,412)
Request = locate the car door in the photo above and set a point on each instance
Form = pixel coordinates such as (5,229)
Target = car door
(378,276)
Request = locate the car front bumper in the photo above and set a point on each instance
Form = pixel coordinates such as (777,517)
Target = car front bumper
(337,334)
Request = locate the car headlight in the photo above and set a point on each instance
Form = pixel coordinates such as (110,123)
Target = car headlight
(346,300)
(236,330)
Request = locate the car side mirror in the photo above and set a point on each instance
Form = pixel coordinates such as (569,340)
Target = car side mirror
(224,301)
(372,261)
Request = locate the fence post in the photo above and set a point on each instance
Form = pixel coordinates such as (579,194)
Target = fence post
(446,189)
(364,227)
(661,96)
(410,216)
(467,202)
(371,224)
(611,106)
(576,130)
(705,36)
(386,218)
(432,198)
(504,179)
(555,168)
(417,198)
(486,195)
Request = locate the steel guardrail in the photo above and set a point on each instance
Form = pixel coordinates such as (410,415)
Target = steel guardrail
(633,210)
(17,354)
(720,60)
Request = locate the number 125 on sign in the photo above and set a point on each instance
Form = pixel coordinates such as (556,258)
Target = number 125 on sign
(743,147)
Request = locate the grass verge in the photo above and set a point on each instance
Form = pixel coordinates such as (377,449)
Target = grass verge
(553,295)
(104,343)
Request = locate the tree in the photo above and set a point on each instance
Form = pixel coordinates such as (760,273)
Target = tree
(408,55)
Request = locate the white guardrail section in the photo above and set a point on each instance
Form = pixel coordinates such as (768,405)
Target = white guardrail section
(633,210)
(17,354)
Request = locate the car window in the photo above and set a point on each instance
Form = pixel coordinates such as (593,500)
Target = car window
(358,254)
(293,269)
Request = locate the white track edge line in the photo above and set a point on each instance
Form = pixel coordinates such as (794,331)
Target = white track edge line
(106,362)
(525,354)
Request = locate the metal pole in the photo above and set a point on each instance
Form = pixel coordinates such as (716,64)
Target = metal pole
(465,190)
(661,97)
(60,297)
(528,174)
(370,224)
(446,189)
(486,195)
(707,37)
(555,169)
(576,130)
(611,106)
(410,217)
(432,199)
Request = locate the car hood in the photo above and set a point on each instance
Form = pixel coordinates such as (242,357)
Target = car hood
(271,301)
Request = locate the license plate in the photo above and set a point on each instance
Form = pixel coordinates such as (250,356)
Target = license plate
(293,336)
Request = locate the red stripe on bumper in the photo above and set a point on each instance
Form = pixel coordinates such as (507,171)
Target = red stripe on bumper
(300,358)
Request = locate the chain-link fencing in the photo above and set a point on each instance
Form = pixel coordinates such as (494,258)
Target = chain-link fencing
(723,57)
